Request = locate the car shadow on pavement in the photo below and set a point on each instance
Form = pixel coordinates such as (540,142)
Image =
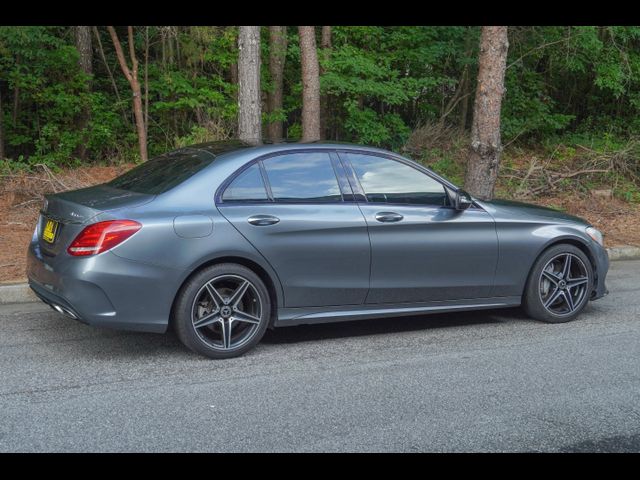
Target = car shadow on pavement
(617,444)
(380,326)
(62,334)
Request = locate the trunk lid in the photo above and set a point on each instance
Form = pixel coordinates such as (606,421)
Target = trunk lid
(74,210)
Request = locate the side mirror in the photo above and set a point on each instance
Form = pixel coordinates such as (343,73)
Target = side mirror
(463,200)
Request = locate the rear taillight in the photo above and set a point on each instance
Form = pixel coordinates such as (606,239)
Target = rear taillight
(102,236)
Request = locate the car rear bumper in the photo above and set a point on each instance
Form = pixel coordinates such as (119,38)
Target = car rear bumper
(56,302)
(104,290)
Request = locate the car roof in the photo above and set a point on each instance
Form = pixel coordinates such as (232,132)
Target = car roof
(229,156)
(221,147)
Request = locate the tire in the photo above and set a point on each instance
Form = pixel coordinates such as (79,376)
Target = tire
(548,279)
(214,317)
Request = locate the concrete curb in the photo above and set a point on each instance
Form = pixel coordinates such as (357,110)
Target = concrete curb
(21,293)
(624,253)
(16,293)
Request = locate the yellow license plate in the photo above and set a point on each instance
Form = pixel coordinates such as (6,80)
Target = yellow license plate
(50,230)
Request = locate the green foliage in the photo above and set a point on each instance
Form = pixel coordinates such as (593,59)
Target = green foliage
(49,92)
(197,135)
(294,131)
(627,190)
(565,87)
(176,93)
(447,167)
(528,109)
(107,127)
(376,76)
(367,126)
(563,79)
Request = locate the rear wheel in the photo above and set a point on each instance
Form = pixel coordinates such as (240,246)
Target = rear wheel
(223,311)
(559,285)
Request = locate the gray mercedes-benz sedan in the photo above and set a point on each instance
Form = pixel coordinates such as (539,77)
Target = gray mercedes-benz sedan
(223,240)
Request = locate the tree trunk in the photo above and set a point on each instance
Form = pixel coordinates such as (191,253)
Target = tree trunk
(1,127)
(249,101)
(465,104)
(466,88)
(16,105)
(163,42)
(325,45)
(233,73)
(132,76)
(484,154)
(326,37)
(170,52)
(457,96)
(178,55)
(83,44)
(277,53)
(106,65)
(146,81)
(310,85)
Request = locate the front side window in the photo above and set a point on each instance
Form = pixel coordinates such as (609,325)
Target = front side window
(389,181)
(302,177)
(246,187)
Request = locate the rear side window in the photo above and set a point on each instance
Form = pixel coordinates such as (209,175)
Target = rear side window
(162,173)
(303,177)
(389,181)
(246,187)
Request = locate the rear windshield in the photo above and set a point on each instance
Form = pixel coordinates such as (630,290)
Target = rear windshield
(162,173)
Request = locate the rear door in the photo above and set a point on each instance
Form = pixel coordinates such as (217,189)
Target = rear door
(296,208)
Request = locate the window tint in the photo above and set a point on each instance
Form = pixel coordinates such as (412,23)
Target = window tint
(303,177)
(388,181)
(248,186)
(162,173)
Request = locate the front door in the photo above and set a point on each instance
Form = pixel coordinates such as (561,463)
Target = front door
(422,249)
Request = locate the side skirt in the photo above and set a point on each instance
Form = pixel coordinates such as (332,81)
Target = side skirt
(310,315)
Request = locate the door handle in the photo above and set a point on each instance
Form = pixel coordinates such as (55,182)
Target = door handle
(388,217)
(263,220)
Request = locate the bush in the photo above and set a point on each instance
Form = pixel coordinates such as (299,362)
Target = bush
(441,147)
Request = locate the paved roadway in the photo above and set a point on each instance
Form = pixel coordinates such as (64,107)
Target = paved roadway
(492,381)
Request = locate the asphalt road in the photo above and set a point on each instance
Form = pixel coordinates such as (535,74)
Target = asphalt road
(491,381)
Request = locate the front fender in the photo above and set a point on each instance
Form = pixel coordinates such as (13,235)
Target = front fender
(521,243)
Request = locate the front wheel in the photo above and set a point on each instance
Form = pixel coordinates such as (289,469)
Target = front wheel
(559,285)
(223,311)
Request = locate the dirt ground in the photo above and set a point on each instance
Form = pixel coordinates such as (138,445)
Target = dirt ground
(21,199)
(618,220)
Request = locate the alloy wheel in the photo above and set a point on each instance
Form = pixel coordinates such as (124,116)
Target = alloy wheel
(226,312)
(564,283)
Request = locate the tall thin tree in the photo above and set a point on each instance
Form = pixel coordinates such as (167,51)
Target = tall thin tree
(233,68)
(1,126)
(325,45)
(249,101)
(83,44)
(85,61)
(277,54)
(484,154)
(96,34)
(310,84)
(131,74)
